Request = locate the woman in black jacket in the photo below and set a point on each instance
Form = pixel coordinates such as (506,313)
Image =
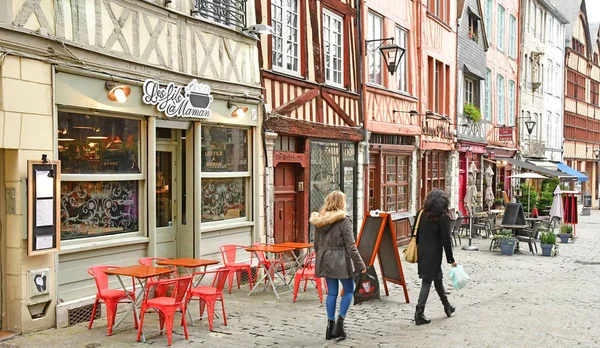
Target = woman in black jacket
(433,234)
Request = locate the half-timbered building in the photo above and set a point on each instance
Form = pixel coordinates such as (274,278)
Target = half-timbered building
(313,125)
(153,109)
(582,106)
(394,131)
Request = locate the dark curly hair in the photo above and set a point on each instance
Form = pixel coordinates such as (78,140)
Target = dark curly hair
(436,204)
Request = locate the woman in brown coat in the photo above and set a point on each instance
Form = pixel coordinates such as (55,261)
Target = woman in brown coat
(337,258)
(433,236)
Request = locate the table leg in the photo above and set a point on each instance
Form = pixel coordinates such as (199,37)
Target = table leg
(134,303)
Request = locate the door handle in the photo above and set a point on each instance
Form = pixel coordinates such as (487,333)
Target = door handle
(280,216)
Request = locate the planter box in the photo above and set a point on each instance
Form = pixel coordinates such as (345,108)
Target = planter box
(547,249)
(507,246)
(564,237)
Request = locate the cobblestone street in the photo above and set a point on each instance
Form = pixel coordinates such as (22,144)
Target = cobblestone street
(523,300)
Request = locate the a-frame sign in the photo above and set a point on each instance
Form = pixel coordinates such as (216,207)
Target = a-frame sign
(378,238)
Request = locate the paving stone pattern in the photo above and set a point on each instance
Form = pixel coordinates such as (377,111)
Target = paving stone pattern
(523,300)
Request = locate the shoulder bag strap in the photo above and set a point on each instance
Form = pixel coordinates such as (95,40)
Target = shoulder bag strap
(417,224)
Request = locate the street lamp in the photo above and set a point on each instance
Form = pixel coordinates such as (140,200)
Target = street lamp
(530,126)
(392,53)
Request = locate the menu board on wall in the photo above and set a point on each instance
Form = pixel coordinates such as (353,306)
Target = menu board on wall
(43,209)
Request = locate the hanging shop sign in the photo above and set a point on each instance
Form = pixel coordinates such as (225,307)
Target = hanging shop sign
(505,134)
(191,101)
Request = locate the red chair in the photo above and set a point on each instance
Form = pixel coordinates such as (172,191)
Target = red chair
(111,298)
(228,252)
(166,306)
(308,273)
(151,262)
(209,295)
(267,263)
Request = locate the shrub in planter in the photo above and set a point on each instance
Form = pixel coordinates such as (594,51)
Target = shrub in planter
(506,241)
(547,241)
(472,112)
(566,232)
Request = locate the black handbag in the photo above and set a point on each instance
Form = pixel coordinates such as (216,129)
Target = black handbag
(366,286)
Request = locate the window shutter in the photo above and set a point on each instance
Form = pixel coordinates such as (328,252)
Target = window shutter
(461,93)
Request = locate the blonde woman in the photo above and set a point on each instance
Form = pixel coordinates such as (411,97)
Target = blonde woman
(337,258)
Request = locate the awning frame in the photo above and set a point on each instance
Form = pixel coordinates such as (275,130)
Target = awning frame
(530,166)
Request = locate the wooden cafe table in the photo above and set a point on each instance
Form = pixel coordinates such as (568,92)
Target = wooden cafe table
(273,250)
(142,274)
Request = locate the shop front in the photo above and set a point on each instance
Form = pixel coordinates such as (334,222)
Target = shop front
(439,160)
(392,185)
(498,161)
(471,173)
(171,172)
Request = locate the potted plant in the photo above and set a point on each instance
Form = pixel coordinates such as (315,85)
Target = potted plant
(547,241)
(472,112)
(565,233)
(506,241)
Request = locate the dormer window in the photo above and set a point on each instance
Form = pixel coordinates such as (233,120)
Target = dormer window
(474,27)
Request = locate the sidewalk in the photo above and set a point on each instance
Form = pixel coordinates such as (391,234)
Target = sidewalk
(522,300)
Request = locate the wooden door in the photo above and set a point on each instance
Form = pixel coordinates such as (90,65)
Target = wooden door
(285,203)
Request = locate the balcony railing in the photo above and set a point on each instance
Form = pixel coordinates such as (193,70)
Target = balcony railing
(227,12)
(535,147)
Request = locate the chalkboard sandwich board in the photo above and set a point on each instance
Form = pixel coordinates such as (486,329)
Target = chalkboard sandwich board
(377,238)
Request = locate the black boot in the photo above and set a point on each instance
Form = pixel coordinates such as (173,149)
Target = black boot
(448,308)
(338,331)
(329,332)
(420,318)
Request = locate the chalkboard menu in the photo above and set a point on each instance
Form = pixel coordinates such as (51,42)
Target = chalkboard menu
(513,215)
(43,209)
(587,201)
(378,238)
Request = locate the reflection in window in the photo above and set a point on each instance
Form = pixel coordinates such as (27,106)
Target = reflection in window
(91,144)
(95,208)
(224,149)
(223,199)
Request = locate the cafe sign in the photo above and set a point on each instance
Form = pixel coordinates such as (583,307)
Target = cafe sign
(191,101)
(505,134)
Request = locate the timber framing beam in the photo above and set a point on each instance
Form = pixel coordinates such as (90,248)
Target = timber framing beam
(285,125)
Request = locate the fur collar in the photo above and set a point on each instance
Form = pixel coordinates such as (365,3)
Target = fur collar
(328,218)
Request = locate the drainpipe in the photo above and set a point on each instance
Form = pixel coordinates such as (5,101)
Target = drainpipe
(419,55)
(360,8)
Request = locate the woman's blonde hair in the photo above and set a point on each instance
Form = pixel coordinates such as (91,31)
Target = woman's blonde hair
(335,200)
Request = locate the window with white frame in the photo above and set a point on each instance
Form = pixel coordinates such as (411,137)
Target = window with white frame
(225,173)
(550,82)
(557,131)
(402,41)
(511,103)
(102,178)
(557,82)
(512,37)
(500,92)
(471,92)
(548,127)
(488,19)
(374,32)
(488,95)
(285,46)
(332,43)
(500,30)
(550,29)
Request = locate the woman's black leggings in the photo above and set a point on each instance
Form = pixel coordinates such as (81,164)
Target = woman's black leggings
(426,287)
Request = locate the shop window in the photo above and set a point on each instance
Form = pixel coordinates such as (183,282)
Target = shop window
(223,199)
(101,176)
(95,208)
(225,173)
(224,149)
(434,167)
(92,144)
(395,186)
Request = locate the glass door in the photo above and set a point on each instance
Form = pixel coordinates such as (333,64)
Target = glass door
(166,200)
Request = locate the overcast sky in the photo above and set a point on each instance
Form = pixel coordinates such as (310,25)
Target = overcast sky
(593,10)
